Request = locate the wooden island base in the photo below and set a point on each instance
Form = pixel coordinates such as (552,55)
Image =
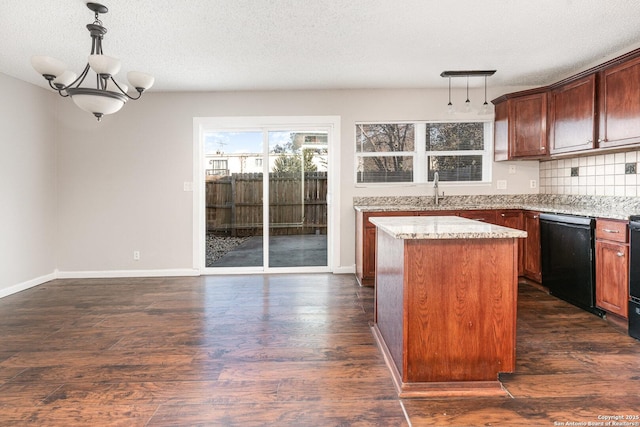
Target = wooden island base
(436,389)
(445,304)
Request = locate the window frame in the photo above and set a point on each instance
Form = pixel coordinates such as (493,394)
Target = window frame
(421,156)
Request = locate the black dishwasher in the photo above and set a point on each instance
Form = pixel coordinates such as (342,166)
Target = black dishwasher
(567,248)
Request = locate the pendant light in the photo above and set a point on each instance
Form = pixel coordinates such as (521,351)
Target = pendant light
(485,107)
(469,73)
(467,103)
(450,108)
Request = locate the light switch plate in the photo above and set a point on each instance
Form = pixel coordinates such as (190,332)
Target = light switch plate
(501,184)
(188,186)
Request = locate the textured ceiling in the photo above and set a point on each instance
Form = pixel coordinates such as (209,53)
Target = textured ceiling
(203,45)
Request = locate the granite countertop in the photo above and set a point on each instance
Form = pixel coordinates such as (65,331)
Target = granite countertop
(591,206)
(443,227)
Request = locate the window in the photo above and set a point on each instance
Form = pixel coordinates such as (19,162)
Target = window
(385,152)
(413,152)
(455,150)
(218,167)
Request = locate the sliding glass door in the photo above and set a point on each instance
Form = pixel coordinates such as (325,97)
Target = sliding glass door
(234,199)
(266,194)
(297,198)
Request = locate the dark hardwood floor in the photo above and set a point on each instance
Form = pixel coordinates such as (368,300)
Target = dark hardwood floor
(281,350)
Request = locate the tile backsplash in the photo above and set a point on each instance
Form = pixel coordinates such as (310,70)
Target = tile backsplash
(600,175)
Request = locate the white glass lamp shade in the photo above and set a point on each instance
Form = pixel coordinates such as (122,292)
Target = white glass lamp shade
(140,80)
(97,102)
(48,66)
(104,65)
(451,109)
(65,79)
(485,110)
(112,87)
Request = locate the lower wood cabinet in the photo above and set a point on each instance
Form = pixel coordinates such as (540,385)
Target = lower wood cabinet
(612,266)
(480,215)
(532,261)
(528,249)
(366,244)
(513,219)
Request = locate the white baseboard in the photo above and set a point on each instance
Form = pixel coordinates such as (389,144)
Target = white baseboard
(26,285)
(345,270)
(126,273)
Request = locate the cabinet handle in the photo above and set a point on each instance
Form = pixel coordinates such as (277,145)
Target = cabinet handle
(542,148)
(589,141)
(620,254)
(607,230)
(502,215)
(535,217)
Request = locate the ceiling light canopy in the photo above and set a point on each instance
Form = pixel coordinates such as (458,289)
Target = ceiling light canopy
(469,73)
(107,96)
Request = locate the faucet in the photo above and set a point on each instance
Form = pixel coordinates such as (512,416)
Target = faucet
(435,185)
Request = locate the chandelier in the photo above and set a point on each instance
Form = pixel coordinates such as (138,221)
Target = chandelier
(108,95)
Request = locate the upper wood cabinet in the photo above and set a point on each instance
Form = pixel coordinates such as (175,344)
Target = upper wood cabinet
(501,132)
(619,104)
(520,126)
(595,109)
(528,116)
(572,112)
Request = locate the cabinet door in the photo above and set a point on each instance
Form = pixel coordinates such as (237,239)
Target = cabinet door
(480,215)
(366,256)
(612,264)
(619,104)
(528,131)
(532,264)
(513,219)
(369,258)
(572,116)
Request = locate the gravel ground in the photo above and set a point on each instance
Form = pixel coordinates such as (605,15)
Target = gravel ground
(218,246)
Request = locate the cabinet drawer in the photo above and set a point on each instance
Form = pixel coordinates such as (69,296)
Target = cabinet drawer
(609,229)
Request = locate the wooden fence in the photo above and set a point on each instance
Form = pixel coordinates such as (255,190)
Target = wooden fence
(234,204)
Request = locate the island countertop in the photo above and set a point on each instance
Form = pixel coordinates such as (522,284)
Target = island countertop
(443,227)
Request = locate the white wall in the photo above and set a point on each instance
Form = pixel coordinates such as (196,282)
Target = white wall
(133,199)
(27,185)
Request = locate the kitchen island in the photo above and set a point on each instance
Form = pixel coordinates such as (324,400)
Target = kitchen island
(445,303)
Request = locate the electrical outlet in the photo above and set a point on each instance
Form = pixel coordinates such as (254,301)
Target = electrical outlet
(533,183)
(136,255)
(512,169)
(501,184)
